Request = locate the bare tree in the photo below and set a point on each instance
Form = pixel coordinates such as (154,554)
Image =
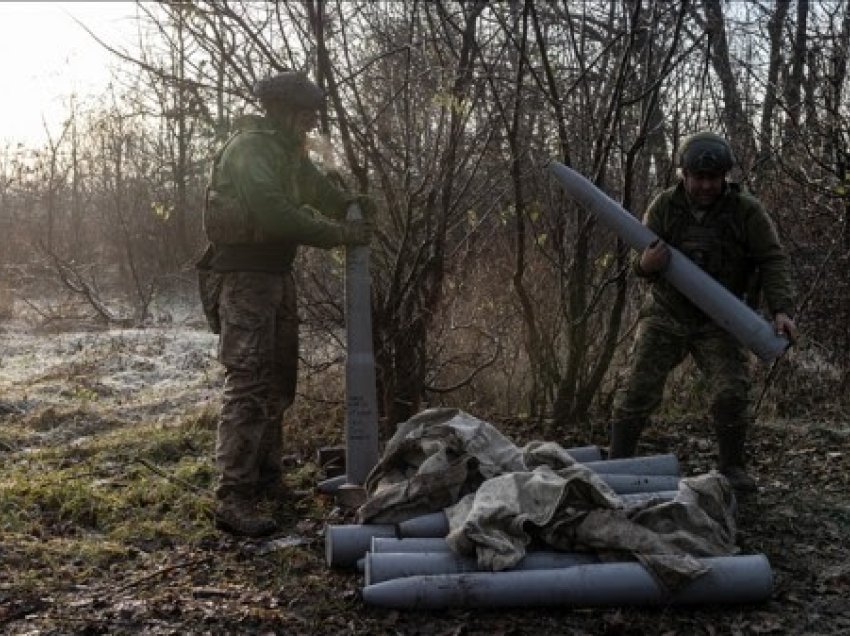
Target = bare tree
(774,30)
(445,112)
(734,118)
(793,87)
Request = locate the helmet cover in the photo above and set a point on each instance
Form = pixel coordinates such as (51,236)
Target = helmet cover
(706,152)
(292,89)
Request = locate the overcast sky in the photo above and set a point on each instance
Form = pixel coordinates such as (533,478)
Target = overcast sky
(46,57)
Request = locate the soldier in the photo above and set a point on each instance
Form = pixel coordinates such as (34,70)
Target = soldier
(265,197)
(727,232)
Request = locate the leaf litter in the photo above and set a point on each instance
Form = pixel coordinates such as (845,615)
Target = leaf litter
(106,470)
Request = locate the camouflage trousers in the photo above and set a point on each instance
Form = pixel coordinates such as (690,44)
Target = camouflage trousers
(662,344)
(258,347)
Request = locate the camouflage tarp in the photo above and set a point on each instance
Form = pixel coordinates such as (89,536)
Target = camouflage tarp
(500,498)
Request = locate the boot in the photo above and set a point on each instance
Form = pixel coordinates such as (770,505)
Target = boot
(239,515)
(624,436)
(730,442)
(273,491)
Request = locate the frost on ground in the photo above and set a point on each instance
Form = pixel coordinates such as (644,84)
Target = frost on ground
(106,472)
(153,374)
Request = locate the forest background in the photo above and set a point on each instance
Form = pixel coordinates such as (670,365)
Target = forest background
(490,287)
(492,291)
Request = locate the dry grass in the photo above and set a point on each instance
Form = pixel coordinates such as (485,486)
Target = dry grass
(105,518)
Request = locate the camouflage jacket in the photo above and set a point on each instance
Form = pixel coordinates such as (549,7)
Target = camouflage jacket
(265,197)
(734,242)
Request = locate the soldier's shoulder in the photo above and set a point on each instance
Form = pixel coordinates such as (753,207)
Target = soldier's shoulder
(251,129)
(747,202)
(254,124)
(250,138)
(667,198)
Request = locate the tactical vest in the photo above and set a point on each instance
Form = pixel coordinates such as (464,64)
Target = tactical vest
(225,219)
(717,242)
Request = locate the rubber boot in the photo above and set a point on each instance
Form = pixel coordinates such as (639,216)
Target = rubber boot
(732,463)
(238,515)
(624,437)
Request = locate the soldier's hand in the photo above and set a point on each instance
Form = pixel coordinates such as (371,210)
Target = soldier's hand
(366,205)
(655,257)
(357,232)
(785,326)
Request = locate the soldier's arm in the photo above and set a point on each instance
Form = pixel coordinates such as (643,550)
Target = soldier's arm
(257,183)
(658,251)
(322,193)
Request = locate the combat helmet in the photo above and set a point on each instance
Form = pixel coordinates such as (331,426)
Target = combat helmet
(292,89)
(706,152)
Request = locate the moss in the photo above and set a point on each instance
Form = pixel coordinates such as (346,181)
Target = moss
(68,510)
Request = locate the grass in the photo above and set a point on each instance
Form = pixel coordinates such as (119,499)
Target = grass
(78,508)
(104,510)
(110,532)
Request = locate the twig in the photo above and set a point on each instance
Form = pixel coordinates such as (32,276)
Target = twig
(768,380)
(76,283)
(162,570)
(172,478)
(34,307)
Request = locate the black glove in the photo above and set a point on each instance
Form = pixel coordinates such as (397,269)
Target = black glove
(366,204)
(357,232)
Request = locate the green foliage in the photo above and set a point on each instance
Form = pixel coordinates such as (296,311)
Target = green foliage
(162,211)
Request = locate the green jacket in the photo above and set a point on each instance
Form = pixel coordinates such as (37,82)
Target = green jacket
(264,180)
(734,242)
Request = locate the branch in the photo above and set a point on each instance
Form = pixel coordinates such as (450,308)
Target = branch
(163,570)
(176,480)
(472,374)
(74,281)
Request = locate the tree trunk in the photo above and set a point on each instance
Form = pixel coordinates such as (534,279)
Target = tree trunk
(735,119)
(793,90)
(774,30)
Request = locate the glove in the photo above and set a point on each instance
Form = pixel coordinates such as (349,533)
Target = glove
(366,204)
(655,258)
(357,232)
(785,326)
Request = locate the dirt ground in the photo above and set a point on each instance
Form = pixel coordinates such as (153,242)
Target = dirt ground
(105,500)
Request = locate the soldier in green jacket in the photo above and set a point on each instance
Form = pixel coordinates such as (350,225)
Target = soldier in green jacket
(727,232)
(264,199)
